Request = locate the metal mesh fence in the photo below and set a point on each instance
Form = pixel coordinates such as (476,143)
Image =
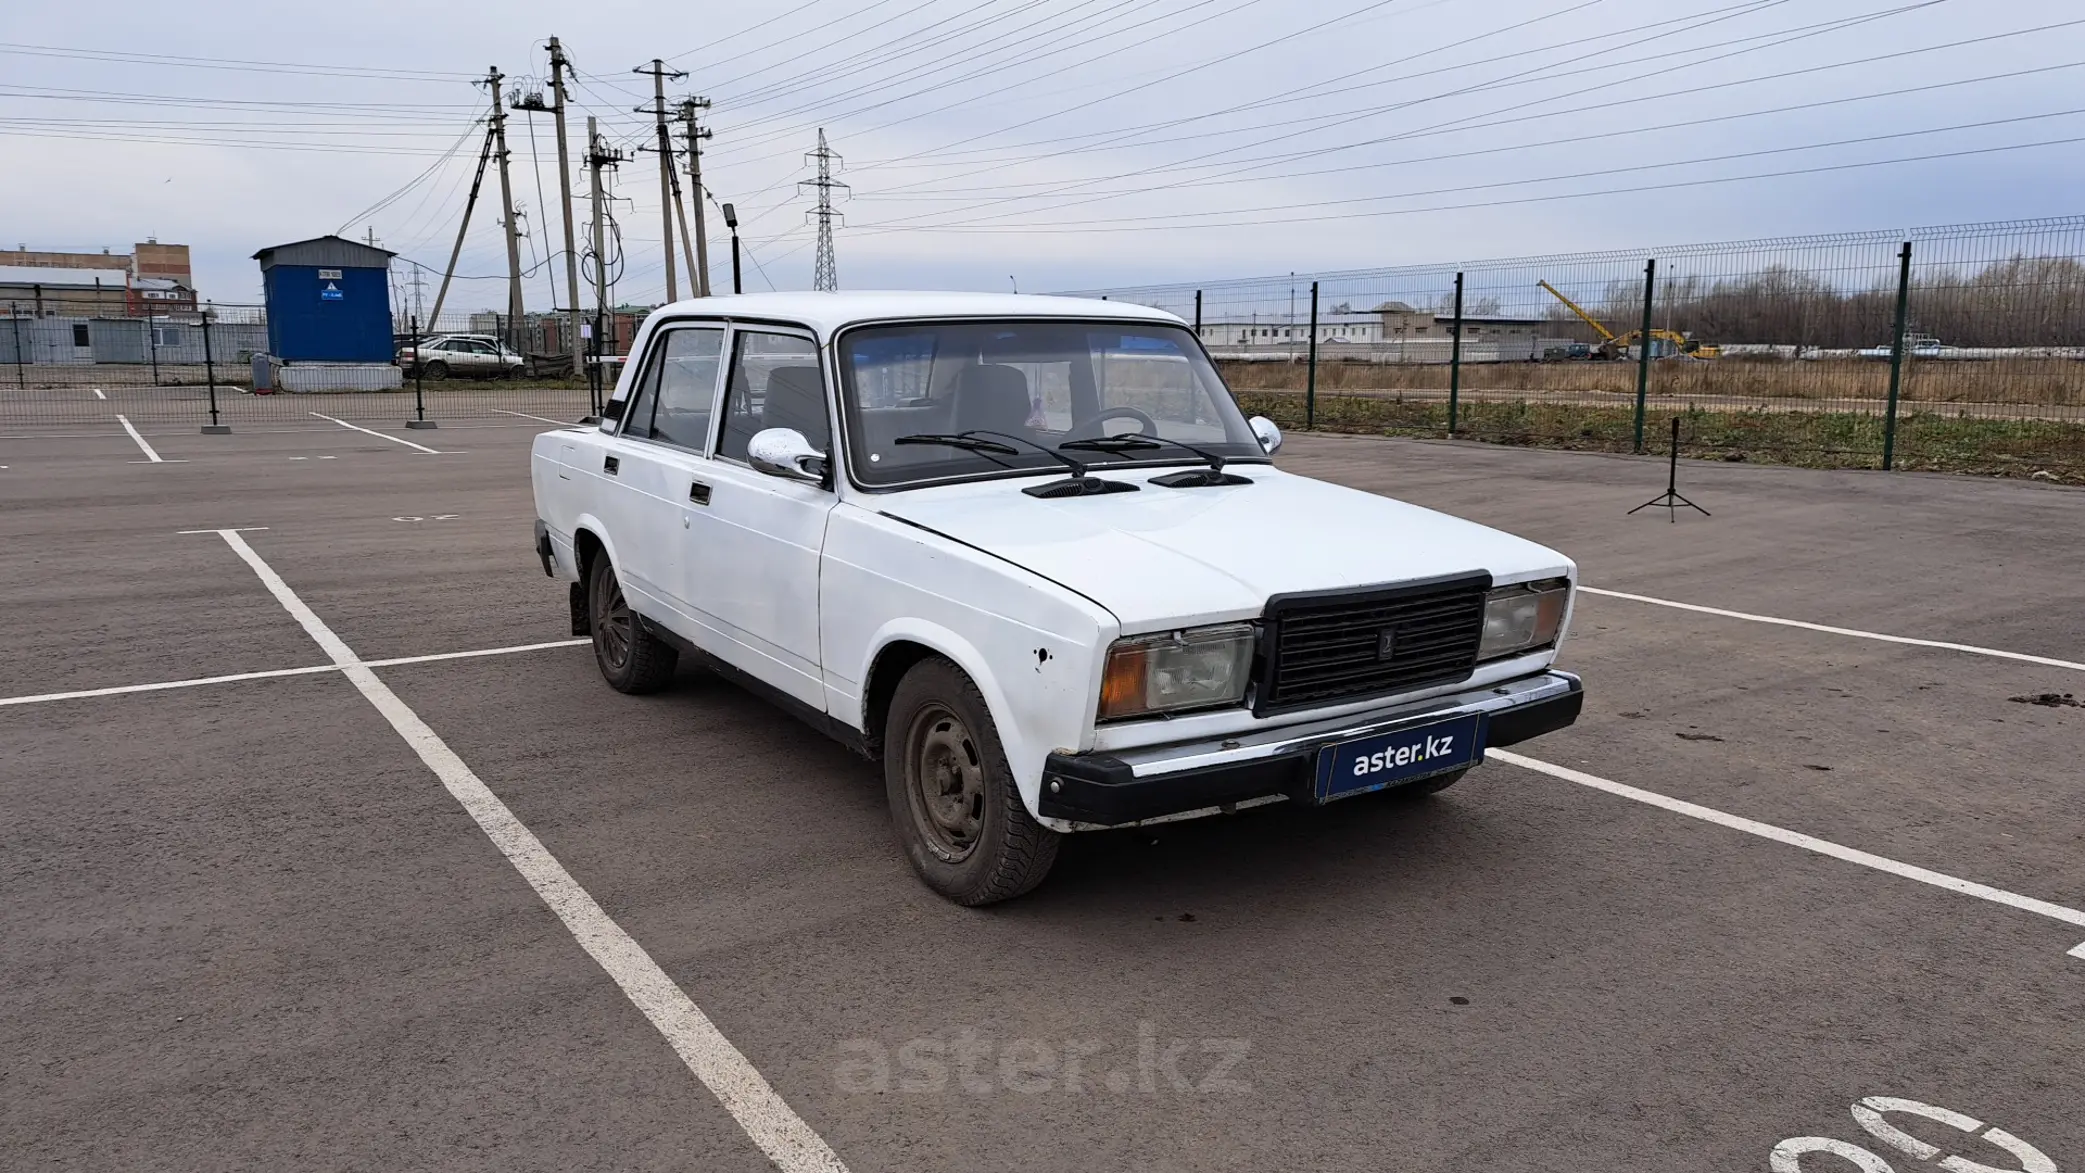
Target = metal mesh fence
(215,365)
(1785,349)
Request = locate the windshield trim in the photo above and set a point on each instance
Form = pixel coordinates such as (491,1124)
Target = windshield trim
(844,440)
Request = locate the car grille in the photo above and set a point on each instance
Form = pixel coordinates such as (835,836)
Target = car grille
(1325,647)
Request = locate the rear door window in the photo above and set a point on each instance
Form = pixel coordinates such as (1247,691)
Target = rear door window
(683,382)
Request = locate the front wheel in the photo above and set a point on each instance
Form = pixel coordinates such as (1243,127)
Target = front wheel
(952,797)
(632,659)
(437,370)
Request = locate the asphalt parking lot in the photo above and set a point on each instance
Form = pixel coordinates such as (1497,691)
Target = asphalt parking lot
(264,923)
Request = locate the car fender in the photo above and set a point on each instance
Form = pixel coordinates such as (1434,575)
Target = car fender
(1016,734)
(593,525)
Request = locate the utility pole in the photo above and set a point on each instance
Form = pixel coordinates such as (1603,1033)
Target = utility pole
(564,187)
(598,156)
(477,182)
(659,73)
(499,131)
(825,275)
(695,136)
(680,214)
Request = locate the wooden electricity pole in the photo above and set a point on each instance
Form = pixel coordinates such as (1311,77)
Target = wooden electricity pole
(564,188)
(597,157)
(499,133)
(695,136)
(659,73)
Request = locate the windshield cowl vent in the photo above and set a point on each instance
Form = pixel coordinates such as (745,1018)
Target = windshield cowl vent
(1200,478)
(1079,487)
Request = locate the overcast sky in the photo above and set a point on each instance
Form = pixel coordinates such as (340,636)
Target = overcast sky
(1051,143)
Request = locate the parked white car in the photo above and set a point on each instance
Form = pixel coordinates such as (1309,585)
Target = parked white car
(1027,553)
(473,356)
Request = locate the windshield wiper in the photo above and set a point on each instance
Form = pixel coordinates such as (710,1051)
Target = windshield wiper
(1078,484)
(1134,442)
(964,440)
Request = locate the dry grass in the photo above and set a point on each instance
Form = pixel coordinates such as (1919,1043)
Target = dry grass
(2042,449)
(2048,382)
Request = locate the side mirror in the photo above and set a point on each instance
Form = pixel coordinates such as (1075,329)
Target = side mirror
(1268,435)
(783,452)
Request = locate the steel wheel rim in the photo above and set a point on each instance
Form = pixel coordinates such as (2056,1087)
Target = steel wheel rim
(946,775)
(612,625)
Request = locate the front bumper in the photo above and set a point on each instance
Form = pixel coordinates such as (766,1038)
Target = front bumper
(1109,789)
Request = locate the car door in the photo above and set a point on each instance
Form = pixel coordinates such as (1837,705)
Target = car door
(482,358)
(660,454)
(754,563)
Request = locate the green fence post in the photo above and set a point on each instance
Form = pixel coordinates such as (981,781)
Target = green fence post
(14,318)
(1198,313)
(1889,419)
(1310,398)
(1643,348)
(1455,360)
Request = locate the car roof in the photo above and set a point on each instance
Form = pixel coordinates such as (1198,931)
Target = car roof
(827,313)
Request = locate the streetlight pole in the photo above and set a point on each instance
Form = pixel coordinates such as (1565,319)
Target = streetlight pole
(731,222)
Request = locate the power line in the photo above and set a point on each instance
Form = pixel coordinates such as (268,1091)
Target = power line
(231,63)
(1464,123)
(1540,144)
(1672,186)
(409,185)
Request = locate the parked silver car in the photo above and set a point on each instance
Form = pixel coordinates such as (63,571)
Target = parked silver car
(471,355)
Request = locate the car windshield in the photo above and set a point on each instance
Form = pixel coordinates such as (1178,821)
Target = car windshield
(1034,387)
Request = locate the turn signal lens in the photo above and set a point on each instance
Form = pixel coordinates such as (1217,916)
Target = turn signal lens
(1522,618)
(1202,668)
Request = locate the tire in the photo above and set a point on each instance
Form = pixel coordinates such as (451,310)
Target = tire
(1421,789)
(437,370)
(631,659)
(952,797)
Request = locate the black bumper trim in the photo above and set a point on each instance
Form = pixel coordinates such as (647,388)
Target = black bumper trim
(1103,790)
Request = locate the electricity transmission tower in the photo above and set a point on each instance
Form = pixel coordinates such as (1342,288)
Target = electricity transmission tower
(825,275)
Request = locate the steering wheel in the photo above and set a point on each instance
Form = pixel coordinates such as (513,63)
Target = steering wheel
(1090,429)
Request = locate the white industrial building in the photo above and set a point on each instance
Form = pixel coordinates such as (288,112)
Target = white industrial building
(1393,332)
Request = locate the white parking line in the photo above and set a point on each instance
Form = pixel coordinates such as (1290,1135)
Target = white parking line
(381,435)
(527,416)
(789,1142)
(98,394)
(2069,916)
(1972,649)
(234,678)
(150,455)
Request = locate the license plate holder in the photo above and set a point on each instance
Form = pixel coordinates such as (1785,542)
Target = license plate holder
(1383,760)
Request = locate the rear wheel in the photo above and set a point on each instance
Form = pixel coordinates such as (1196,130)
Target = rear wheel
(632,659)
(437,370)
(952,797)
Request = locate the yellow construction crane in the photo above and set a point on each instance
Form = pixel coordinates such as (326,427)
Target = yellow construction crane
(1612,345)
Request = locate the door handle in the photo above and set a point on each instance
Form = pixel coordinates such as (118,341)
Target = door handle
(698,493)
(611,465)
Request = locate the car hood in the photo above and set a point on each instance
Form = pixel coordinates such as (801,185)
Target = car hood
(1162,557)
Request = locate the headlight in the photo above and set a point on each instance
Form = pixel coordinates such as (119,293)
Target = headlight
(1523,617)
(1203,668)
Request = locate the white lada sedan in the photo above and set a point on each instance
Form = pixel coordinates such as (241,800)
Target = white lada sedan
(1028,554)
